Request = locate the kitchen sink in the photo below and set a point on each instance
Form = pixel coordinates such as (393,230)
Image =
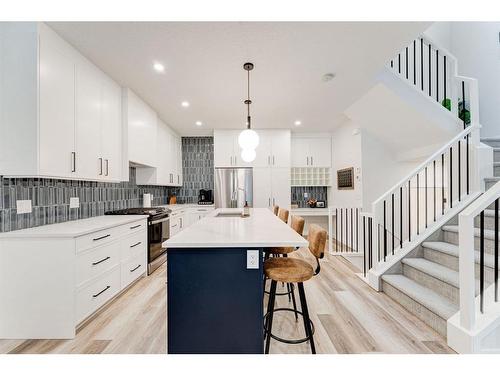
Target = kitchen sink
(228,214)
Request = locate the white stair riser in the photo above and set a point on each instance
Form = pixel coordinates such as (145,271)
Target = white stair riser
(452,237)
(451,262)
(496,155)
(421,312)
(492,142)
(436,285)
(489,222)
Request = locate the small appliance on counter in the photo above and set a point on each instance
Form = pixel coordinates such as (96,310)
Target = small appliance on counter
(205,197)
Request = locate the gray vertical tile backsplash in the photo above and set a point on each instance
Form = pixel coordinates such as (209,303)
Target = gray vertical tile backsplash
(319,193)
(50,199)
(197,167)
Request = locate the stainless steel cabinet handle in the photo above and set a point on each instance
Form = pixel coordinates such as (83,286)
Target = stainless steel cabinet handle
(269,202)
(180,221)
(274,202)
(307,160)
(100,261)
(312,161)
(101,238)
(135,226)
(73,161)
(136,268)
(101,292)
(173,226)
(100,163)
(136,244)
(107,167)
(269,160)
(273,159)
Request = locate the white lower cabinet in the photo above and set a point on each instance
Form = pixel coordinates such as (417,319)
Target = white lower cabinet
(184,217)
(72,273)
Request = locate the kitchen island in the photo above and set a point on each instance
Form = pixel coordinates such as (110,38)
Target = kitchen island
(215,281)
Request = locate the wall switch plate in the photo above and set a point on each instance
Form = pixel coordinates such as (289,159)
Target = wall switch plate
(23,207)
(74,202)
(252,259)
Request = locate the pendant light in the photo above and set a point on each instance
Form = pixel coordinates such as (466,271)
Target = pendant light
(248,139)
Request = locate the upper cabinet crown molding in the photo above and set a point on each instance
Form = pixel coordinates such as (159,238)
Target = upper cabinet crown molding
(62,115)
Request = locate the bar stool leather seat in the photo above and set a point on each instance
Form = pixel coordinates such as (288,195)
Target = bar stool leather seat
(288,270)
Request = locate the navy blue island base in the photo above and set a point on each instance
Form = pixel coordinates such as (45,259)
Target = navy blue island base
(214,303)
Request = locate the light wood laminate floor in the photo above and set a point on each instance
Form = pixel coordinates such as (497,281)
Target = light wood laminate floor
(349,317)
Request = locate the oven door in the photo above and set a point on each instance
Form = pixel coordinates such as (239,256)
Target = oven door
(158,232)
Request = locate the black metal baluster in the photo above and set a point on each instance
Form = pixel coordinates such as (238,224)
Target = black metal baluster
(392,222)
(357,229)
(352,229)
(437,76)
(430,84)
(426,214)
(418,203)
(364,246)
(385,234)
(496,250)
(414,62)
(341,231)
(459,171)
(434,174)
(370,242)
(401,217)
(442,184)
(409,210)
(336,230)
(399,63)
(406,62)
(444,78)
(422,64)
(347,229)
(463,104)
(451,177)
(481,261)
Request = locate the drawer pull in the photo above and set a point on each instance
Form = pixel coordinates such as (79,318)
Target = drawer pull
(136,268)
(173,226)
(100,261)
(135,226)
(136,244)
(101,238)
(101,292)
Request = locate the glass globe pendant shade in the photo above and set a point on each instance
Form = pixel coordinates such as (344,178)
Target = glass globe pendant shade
(248,139)
(248,155)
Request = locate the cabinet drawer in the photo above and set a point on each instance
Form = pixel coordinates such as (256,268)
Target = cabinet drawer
(131,269)
(108,235)
(92,263)
(133,245)
(93,296)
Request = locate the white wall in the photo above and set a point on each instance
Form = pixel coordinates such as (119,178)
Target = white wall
(346,153)
(476,46)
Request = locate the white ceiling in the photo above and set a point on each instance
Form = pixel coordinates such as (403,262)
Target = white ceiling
(204,62)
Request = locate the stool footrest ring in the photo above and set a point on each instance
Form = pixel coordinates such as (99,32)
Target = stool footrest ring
(288,341)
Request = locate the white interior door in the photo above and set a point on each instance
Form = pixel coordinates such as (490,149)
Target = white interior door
(57,111)
(280,182)
(262,187)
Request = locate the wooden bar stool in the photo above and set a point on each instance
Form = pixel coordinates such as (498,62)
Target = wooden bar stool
(297,224)
(293,270)
(283,214)
(276,209)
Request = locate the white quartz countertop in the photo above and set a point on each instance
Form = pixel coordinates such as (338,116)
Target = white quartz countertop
(261,229)
(182,206)
(74,228)
(307,211)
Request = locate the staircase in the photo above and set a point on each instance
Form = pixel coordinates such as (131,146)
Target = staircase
(426,283)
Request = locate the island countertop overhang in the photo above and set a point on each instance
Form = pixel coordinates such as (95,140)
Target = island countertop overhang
(261,229)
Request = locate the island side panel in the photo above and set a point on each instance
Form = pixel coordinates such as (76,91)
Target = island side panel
(214,302)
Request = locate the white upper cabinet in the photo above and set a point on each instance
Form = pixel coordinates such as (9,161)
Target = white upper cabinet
(273,149)
(142,131)
(75,131)
(57,109)
(311,151)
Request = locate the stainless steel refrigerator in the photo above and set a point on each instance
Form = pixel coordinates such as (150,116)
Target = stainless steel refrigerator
(233,187)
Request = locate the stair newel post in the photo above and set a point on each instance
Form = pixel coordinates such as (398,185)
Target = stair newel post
(466,264)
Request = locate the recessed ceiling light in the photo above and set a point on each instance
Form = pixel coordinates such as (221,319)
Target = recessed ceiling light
(198,123)
(159,67)
(297,123)
(328,77)
(185,104)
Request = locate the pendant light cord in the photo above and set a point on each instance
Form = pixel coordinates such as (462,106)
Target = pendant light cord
(248,97)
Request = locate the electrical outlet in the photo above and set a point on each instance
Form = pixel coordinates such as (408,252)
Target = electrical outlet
(23,207)
(252,259)
(74,202)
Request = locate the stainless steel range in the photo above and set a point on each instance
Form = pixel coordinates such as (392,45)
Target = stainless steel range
(158,232)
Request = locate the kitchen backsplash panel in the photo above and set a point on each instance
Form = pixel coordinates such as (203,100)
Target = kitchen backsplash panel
(319,193)
(197,167)
(50,199)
